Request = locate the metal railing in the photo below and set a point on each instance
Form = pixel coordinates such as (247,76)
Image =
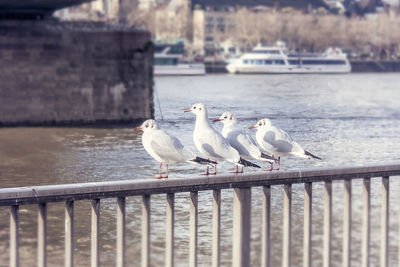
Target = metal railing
(242,184)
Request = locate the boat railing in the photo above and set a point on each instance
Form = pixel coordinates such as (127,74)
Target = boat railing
(242,204)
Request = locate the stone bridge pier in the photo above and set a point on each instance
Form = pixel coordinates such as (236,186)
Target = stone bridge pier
(71,73)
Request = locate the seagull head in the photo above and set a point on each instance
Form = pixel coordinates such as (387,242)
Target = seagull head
(261,123)
(197,109)
(148,125)
(226,118)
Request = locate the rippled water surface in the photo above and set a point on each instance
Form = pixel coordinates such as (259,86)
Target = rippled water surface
(347,120)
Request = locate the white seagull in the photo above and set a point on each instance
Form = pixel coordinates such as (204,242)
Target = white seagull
(166,148)
(211,143)
(278,142)
(241,141)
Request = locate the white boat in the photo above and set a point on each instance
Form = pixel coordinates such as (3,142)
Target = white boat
(168,61)
(276,60)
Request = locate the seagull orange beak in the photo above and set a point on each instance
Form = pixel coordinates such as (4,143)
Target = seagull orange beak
(252,127)
(187,110)
(138,128)
(216,120)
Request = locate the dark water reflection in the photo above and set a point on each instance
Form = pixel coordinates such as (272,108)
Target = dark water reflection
(345,119)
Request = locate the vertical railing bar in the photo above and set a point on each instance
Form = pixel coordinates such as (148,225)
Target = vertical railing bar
(216,224)
(69,234)
(327,224)
(146,231)
(347,224)
(95,238)
(287,225)
(385,222)
(193,229)
(121,203)
(169,240)
(366,236)
(241,227)
(14,236)
(266,227)
(42,232)
(307,225)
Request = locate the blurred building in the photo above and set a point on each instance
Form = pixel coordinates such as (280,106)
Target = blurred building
(107,10)
(213,20)
(206,25)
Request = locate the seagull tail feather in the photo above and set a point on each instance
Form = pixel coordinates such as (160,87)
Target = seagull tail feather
(311,155)
(247,163)
(265,156)
(199,160)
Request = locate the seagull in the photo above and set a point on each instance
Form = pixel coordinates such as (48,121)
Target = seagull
(241,141)
(278,142)
(166,148)
(211,143)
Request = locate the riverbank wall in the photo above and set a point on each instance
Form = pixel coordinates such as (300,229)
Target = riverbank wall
(375,66)
(74,73)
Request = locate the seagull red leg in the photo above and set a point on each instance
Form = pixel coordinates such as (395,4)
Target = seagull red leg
(271,168)
(159,173)
(279,164)
(207,173)
(237,170)
(215,169)
(166,176)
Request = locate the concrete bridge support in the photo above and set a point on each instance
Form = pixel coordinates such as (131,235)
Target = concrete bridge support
(58,73)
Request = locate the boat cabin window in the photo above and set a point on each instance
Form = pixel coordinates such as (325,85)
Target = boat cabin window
(294,62)
(263,62)
(266,52)
(323,62)
(165,61)
(274,62)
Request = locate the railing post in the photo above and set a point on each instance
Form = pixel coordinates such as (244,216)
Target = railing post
(327,224)
(241,227)
(121,231)
(193,229)
(266,227)
(69,234)
(385,222)
(347,224)
(287,225)
(95,238)
(366,221)
(216,224)
(307,225)
(42,232)
(169,230)
(146,231)
(14,236)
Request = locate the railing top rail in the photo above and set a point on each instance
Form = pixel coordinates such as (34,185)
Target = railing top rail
(94,190)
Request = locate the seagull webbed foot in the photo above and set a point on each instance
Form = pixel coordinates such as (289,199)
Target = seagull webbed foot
(237,170)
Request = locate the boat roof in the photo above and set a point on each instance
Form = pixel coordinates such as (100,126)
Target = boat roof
(267,48)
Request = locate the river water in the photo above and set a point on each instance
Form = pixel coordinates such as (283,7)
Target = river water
(348,120)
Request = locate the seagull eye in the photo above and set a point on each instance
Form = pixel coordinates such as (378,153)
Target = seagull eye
(194,107)
(225,117)
(259,124)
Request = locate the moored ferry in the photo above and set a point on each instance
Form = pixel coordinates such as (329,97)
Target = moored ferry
(168,60)
(276,60)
